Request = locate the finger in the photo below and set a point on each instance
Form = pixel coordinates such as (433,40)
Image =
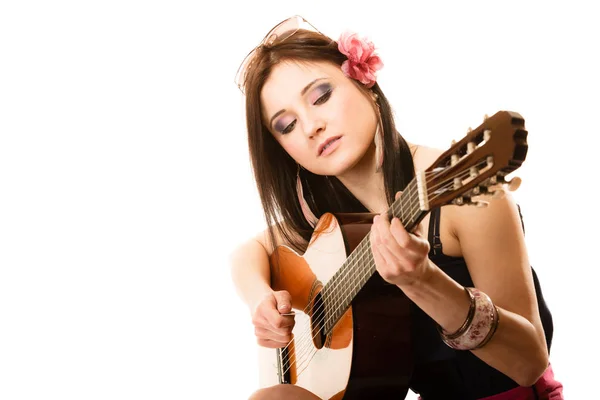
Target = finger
(389,259)
(267,316)
(408,241)
(283,301)
(399,233)
(281,324)
(385,237)
(391,249)
(376,245)
(398,194)
(381,241)
(270,343)
(380,261)
(266,334)
(271,319)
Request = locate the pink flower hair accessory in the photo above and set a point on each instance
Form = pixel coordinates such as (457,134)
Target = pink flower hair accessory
(362,63)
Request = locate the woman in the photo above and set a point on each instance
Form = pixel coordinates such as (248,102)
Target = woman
(322,140)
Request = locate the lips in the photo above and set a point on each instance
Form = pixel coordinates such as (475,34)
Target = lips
(326,144)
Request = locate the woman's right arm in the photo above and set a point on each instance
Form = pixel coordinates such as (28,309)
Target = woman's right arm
(251,276)
(250,271)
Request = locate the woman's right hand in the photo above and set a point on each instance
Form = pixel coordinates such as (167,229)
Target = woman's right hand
(273,329)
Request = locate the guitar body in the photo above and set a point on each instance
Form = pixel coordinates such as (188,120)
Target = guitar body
(367,353)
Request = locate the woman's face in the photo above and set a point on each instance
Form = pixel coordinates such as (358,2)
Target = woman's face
(319,116)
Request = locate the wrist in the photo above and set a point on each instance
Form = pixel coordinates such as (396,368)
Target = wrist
(440,297)
(258,296)
(424,279)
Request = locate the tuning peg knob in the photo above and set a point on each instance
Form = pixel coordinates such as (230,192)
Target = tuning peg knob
(459,201)
(514,183)
(482,204)
(471,146)
(487,134)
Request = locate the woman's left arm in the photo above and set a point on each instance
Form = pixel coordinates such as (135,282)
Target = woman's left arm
(493,245)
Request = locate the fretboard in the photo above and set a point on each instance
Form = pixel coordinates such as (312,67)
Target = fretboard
(340,290)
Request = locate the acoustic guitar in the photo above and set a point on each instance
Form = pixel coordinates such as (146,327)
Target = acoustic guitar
(352,334)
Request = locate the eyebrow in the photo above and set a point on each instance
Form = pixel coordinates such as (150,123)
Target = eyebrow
(302,93)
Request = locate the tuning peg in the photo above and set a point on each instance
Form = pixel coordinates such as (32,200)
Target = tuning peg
(485,117)
(487,134)
(481,204)
(514,183)
(457,183)
(471,147)
(459,201)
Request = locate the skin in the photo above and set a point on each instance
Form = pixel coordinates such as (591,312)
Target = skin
(490,239)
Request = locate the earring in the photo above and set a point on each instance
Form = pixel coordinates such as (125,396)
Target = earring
(308,214)
(379,145)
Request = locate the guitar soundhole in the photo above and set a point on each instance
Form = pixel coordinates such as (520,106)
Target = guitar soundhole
(317,321)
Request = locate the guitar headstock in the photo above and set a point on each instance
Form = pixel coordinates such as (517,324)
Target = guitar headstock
(478,164)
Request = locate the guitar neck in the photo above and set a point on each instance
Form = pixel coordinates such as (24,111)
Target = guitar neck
(337,295)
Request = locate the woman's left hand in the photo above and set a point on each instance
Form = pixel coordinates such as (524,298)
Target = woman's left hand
(401,257)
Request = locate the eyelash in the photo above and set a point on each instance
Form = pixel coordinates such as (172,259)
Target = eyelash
(321,100)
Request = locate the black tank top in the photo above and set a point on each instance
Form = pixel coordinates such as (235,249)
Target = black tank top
(441,372)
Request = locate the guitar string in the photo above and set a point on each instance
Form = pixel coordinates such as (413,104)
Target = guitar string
(364,250)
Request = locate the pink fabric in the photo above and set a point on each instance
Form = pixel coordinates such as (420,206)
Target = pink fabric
(547,388)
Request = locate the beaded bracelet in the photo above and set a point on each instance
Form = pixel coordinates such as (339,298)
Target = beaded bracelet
(481,326)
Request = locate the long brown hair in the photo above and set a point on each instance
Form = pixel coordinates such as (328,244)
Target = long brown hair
(275,171)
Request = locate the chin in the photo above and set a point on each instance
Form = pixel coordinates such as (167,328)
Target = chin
(340,166)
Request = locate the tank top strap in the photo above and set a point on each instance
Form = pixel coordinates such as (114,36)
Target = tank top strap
(434,232)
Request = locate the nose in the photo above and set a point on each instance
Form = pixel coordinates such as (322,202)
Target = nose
(314,126)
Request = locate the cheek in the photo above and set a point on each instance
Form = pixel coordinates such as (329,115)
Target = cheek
(356,112)
(293,148)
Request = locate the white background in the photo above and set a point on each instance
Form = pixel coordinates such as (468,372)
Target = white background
(125,179)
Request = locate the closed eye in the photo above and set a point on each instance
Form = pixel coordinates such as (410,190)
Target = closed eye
(324,97)
(289,128)
(321,100)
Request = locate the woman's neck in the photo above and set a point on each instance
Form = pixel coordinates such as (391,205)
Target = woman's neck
(366,184)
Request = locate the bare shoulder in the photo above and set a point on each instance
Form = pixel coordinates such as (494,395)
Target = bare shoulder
(424,156)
